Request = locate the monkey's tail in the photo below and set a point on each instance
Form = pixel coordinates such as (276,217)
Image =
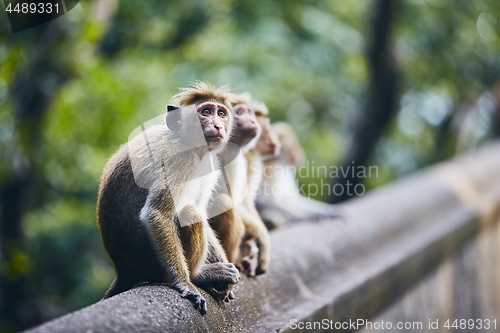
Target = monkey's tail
(120,285)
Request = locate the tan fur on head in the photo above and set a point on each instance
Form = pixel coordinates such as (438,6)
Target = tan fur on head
(291,151)
(244,98)
(260,109)
(203,91)
(284,130)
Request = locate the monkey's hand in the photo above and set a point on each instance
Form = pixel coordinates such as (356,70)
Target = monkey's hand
(190,293)
(218,279)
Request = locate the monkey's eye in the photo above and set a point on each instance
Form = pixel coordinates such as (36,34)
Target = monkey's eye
(221,114)
(206,112)
(239,111)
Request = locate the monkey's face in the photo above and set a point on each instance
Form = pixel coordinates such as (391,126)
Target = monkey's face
(291,152)
(246,127)
(268,144)
(216,121)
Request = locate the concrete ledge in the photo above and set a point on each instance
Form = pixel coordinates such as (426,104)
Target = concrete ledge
(335,270)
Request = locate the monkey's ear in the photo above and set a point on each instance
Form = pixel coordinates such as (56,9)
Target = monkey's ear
(171,107)
(173,117)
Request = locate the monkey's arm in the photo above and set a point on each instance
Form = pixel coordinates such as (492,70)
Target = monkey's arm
(164,235)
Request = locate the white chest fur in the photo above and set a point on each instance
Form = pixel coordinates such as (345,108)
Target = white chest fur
(199,190)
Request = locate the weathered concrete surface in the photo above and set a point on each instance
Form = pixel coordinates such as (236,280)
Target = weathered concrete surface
(391,241)
(466,286)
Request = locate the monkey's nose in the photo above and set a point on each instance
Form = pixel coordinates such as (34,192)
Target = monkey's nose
(273,146)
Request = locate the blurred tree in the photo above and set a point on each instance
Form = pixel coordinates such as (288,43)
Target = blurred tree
(381,101)
(496,110)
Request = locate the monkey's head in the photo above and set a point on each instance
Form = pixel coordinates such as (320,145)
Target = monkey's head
(216,122)
(246,129)
(205,106)
(291,151)
(268,144)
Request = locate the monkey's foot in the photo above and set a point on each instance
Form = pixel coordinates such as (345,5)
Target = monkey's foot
(193,296)
(218,279)
(260,270)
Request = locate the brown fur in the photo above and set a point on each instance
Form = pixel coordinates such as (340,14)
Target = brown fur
(260,108)
(229,228)
(244,98)
(193,239)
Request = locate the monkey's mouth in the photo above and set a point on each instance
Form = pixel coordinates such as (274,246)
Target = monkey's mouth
(214,138)
(249,132)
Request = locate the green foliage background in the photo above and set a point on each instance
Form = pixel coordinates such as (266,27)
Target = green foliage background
(304,59)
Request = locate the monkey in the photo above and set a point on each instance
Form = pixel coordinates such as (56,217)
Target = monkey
(153,197)
(229,225)
(267,146)
(289,205)
(252,251)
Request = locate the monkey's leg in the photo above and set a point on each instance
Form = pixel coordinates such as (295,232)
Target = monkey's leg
(228,227)
(164,233)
